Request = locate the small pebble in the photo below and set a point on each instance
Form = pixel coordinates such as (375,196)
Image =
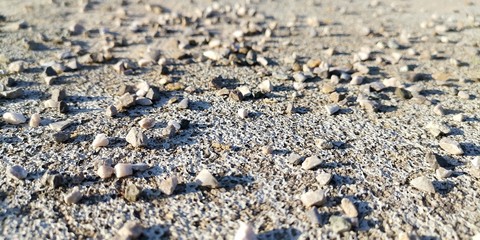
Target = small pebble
(206,179)
(443,173)
(324,178)
(339,224)
(111,111)
(437,129)
(242,113)
(183,104)
(323,144)
(356,80)
(73,196)
(476,162)
(34,120)
(123,170)
(314,216)
(294,159)
(267,150)
(451,146)
(459,117)
(439,110)
(212,55)
(132,193)
(17,172)
(349,208)
(130,230)
(245,232)
(105,171)
(168,185)
(16,67)
(100,140)
(423,184)
(146,123)
(61,137)
(245,91)
(52,180)
(14,118)
(463,95)
(313,198)
(136,138)
(143,101)
(265,86)
(332,109)
(311,163)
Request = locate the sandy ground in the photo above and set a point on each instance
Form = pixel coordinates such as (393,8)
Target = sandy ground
(375,154)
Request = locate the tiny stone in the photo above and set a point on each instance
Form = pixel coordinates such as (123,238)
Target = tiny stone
(52,180)
(168,185)
(402,93)
(245,232)
(311,163)
(183,104)
(290,109)
(422,183)
(339,224)
(169,131)
(236,95)
(59,126)
(476,162)
(266,150)
(34,120)
(332,109)
(451,146)
(431,159)
(123,170)
(349,208)
(16,67)
(50,72)
(443,173)
(111,111)
(146,123)
(463,95)
(57,94)
(132,193)
(242,113)
(323,144)
(206,179)
(105,171)
(313,198)
(130,230)
(459,117)
(212,55)
(17,172)
(324,178)
(314,216)
(74,196)
(437,129)
(356,80)
(14,118)
(245,91)
(265,86)
(143,101)
(294,159)
(153,93)
(299,77)
(336,97)
(61,137)
(328,88)
(439,110)
(100,140)
(127,100)
(136,138)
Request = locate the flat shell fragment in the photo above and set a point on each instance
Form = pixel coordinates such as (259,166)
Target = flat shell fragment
(206,179)
(451,146)
(422,183)
(14,118)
